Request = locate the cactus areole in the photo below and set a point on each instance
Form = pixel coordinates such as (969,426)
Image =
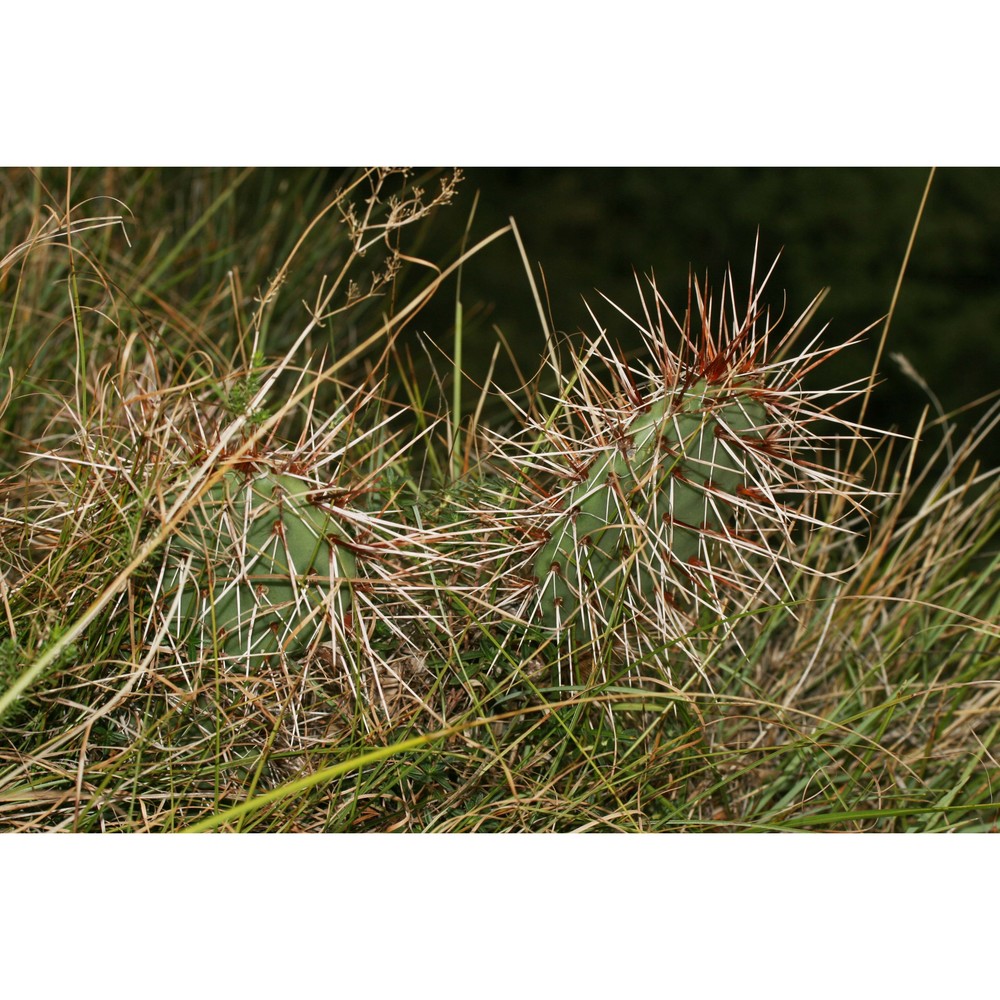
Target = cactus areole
(265,566)
(651,505)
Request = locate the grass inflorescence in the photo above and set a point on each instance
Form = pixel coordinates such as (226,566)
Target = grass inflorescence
(260,574)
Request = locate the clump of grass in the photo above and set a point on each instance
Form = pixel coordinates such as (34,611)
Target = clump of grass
(853,691)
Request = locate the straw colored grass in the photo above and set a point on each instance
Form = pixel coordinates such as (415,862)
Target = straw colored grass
(157,330)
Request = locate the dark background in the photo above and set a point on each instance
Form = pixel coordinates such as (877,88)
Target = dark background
(846,228)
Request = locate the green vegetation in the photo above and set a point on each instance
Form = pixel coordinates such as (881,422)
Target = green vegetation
(259,574)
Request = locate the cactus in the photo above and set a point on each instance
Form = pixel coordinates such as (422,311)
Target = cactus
(649,505)
(653,496)
(268,565)
(662,497)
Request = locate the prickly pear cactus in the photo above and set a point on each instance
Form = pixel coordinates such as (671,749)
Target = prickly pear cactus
(266,566)
(651,506)
(657,500)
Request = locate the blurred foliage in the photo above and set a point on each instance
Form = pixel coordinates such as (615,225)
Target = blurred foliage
(846,228)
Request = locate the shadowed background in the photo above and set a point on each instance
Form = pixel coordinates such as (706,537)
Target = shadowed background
(846,228)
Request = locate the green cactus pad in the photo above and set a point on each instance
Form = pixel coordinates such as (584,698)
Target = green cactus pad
(266,568)
(651,504)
